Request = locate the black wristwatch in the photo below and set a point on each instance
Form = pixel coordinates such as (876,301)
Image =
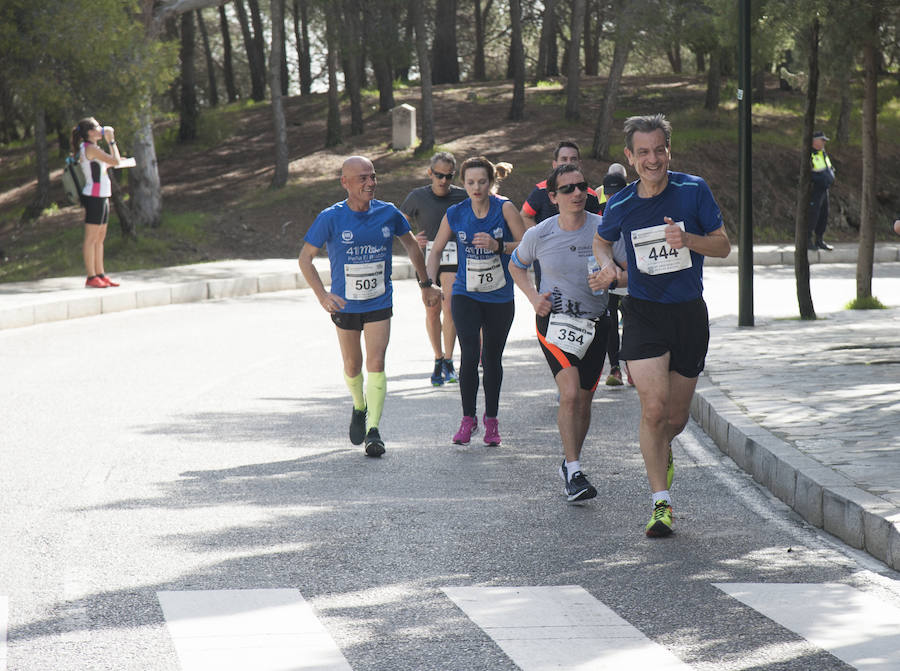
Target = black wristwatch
(424,284)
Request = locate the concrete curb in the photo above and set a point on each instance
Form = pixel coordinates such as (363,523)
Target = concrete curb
(136,295)
(823,497)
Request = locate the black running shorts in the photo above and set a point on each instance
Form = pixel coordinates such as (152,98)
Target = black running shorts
(651,329)
(590,367)
(96,210)
(354,321)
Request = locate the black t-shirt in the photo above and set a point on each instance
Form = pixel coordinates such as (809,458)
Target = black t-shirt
(538,204)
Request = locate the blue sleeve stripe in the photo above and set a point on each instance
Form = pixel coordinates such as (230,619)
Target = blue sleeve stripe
(515,259)
(621,201)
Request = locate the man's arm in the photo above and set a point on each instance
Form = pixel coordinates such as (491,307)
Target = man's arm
(714,243)
(608,272)
(329,301)
(430,295)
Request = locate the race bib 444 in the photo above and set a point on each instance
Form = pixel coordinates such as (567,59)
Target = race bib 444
(654,256)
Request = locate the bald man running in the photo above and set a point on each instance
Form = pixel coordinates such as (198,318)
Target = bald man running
(359,233)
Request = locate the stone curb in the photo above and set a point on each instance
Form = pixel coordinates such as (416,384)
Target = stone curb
(155,294)
(823,497)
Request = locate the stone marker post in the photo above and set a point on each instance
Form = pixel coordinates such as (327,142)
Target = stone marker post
(404,122)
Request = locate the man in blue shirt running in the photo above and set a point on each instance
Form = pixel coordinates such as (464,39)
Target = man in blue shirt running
(670,222)
(359,233)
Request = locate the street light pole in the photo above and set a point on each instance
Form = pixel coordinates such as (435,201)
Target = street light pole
(745,228)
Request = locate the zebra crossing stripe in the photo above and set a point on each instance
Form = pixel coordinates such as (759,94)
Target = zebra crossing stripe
(260,629)
(542,628)
(4,627)
(854,626)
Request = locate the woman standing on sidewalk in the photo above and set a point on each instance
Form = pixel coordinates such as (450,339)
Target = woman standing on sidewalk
(95,195)
(486,229)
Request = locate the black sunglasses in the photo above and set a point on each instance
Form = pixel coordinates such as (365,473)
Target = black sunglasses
(442,175)
(569,188)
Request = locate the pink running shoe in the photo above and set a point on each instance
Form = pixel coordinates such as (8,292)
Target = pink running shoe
(491,430)
(466,429)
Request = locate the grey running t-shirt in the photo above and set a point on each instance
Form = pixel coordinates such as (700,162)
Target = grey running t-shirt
(425,210)
(564,265)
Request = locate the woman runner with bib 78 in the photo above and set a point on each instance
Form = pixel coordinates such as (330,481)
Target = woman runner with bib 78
(486,229)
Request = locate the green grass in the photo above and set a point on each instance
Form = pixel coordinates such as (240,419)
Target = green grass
(58,253)
(869,303)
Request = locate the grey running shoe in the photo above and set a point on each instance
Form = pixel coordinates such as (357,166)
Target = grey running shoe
(357,426)
(374,444)
(579,489)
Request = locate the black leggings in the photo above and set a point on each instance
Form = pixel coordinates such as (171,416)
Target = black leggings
(476,322)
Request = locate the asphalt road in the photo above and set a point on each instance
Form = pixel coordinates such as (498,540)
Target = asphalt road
(202,447)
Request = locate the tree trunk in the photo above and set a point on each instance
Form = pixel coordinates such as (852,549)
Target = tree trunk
(42,197)
(759,86)
(259,39)
(333,134)
(547,52)
(285,74)
(701,62)
(479,72)
(230,88)
(444,53)
(842,134)
(866,257)
(145,187)
(427,121)
(379,17)
(714,80)
(187,130)
(301,37)
(517,57)
(126,218)
(592,39)
(279,179)
(622,48)
(210,64)
(350,48)
(801,227)
(573,85)
(257,68)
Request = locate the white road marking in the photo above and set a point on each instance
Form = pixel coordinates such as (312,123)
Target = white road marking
(259,629)
(542,628)
(854,626)
(4,626)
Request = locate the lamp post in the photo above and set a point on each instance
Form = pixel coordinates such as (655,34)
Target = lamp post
(745,206)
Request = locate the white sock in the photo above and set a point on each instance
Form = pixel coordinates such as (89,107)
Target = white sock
(662,496)
(572,467)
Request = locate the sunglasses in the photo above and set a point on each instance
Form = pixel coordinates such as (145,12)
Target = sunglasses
(442,175)
(569,188)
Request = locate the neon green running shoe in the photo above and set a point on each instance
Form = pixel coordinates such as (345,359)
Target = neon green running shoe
(660,525)
(670,469)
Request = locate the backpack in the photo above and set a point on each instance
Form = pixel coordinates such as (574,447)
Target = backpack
(73,181)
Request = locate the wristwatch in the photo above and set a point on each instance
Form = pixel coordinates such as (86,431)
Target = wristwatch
(424,284)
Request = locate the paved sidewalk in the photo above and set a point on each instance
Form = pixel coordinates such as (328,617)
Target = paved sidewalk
(810,409)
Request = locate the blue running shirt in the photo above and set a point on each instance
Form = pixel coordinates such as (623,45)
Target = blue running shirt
(359,249)
(658,277)
(480,264)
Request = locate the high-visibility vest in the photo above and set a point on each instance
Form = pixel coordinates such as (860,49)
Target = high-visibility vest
(820,161)
(601,195)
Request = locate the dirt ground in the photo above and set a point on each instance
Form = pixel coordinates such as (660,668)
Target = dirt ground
(229,182)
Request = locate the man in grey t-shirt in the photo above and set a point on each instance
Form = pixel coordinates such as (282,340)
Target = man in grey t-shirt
(424,208)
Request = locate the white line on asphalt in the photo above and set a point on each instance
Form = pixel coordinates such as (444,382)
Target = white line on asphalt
(4,626)
(855,627)
(542,628)
(259,629)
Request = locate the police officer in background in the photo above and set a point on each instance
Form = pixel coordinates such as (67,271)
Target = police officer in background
(822,179)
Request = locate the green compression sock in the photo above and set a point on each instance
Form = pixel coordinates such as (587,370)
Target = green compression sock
(355,385)
(376,390)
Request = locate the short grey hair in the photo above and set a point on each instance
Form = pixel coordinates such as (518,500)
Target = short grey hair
(444,156)
(646,124)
